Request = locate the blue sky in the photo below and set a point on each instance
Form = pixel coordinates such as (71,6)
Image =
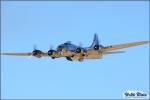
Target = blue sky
(25,24)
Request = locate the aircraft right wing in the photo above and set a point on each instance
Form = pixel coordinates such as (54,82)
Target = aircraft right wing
(121,46)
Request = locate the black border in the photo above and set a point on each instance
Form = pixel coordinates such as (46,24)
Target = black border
(71,1)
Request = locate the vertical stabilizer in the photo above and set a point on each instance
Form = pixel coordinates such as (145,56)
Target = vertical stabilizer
(95,41)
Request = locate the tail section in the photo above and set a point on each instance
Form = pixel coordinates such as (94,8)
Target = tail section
(95,44)
(95,41)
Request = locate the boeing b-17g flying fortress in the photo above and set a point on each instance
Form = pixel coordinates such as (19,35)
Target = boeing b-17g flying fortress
(73,52)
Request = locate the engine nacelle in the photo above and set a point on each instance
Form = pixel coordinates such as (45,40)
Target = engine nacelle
(51,52)
(78,50)
(96,47)
(37,53)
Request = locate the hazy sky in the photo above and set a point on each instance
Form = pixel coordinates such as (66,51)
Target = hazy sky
(25,24)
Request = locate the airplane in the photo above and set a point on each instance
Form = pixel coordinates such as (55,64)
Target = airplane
(74,52)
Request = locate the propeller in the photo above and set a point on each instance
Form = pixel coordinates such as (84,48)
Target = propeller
(80,44)
(51,51)
(34,47)
(50,47)
(36,52)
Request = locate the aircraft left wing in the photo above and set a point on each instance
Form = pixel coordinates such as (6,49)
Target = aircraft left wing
(42,54)
(17,54)
(121,46)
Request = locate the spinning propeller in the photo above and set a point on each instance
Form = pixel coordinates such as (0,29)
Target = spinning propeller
(51,52)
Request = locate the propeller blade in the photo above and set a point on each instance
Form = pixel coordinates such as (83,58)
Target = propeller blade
(34,47)
(50,47)
(80,44)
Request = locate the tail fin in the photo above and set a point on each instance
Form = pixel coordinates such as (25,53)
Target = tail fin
(95,41)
